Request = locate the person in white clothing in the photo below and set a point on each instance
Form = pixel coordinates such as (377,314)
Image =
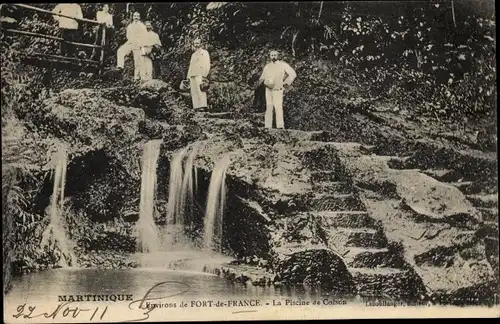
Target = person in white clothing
(151,43)
(136,32)
(199,67)
(106,18)
(274,79)
(67,26)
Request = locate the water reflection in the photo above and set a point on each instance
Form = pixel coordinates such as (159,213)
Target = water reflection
(48,285)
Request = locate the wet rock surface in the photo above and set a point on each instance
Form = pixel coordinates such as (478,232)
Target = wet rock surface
(357,210)
(105,260)
(317,268)
(437,225)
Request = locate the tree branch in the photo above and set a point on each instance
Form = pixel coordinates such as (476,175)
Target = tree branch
(294,39)
(320,9)
(453,14)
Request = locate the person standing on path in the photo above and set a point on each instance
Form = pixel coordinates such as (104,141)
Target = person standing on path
(199,67)
(136,32)
(274,79)
(68,27)
(106,18)
(151,44)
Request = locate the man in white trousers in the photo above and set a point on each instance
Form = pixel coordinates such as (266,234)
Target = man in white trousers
(274,79)
(136,32)
(150,43)
(199,68)
(68,27)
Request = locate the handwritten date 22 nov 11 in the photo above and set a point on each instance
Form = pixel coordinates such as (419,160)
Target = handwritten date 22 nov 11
(62,310)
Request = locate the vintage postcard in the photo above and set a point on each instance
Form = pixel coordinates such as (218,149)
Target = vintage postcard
(205,161)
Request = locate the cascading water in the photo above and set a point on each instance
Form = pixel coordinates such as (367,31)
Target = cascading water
(146,230)
(188,187)
(179,252)
(214,214)
(180,196)
(175,188)
(174,225)
(55,236)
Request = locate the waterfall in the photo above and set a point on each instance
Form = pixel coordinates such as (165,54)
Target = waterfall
(188,187)
(215,205)
(175,188)
(55,235)
(146,229)
(180,195)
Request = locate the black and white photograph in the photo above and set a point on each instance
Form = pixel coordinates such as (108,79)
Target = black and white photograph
(203,161)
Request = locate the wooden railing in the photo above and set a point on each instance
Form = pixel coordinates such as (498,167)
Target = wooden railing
(99,63)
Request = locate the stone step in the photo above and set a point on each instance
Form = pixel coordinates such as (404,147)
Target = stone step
(492,246)
(397,162)
(397,284)
(443,175)
(493,225)
(220,115)
(474,187)
(325,136)
(365,149)
(345,202)
(352,219)
(335,187)
(468,187)
(344,238)
(336,175)
(289,248)
(372,258)
(463,285)
(489,214)
(484,201)
(323,158)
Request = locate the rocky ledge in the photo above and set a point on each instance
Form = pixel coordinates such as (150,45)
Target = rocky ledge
(378,214)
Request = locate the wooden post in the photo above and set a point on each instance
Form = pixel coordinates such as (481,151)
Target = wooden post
(103,45)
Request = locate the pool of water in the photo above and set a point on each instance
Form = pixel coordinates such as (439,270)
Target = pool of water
(48,285)
(37,296)
(43,290)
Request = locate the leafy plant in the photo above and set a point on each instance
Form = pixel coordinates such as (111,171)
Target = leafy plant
(224,97)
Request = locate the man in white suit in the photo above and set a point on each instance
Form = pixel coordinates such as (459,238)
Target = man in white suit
(150,43)
(136,32)
(274,79)
(199,68)
(67,26)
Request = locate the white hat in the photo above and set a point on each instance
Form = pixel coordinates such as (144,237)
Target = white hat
(185,85)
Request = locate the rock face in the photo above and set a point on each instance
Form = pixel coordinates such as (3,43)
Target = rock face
(400,232)
(155,86)
(305,208)
(317,268)
(437,225)
(431,198)
(104,135)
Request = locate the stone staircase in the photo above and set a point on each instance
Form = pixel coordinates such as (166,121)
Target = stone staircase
(338,219)
(377,266)
(471,240)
